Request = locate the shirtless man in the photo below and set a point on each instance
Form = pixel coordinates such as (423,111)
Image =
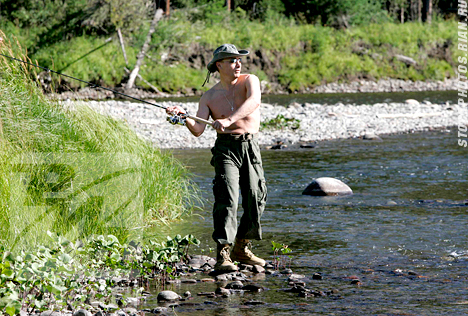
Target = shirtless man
(233,103)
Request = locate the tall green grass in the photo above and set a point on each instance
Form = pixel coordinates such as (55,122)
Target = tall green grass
(73,171)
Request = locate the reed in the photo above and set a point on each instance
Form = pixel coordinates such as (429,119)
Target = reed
(78,173)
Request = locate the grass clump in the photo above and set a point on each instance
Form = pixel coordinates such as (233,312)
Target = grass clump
(75,172)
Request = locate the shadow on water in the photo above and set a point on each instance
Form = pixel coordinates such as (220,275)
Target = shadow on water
(402,233)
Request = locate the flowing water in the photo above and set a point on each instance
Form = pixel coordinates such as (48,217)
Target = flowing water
(402,234)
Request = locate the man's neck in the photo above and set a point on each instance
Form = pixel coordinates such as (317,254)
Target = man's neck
(227,83)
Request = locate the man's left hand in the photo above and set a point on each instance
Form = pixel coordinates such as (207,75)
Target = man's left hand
(222,124)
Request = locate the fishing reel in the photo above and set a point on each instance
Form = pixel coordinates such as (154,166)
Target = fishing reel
(177,119)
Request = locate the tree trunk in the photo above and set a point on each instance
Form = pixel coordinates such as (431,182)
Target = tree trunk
(168,7)
(157,16)
(122,46)
(419,10)
(429,12)
(228,5)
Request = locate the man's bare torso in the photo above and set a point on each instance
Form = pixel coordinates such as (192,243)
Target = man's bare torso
(222,102)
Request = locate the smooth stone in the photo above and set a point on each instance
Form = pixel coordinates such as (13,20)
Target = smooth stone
(412,102)
(258,269)
(223,291)
(190,281)
(168,296)
(327,186)
(371,136)
(159,310)
(317,276)
(51,313)
(294,277)
(82,312)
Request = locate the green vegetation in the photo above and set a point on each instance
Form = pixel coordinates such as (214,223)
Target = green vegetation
(280,122)
(280,255)
(76,172)
(295,45)
(70,273)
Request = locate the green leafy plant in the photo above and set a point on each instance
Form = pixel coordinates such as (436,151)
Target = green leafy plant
(281,122)
(280,255)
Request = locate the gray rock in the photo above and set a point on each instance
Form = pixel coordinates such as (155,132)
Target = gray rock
(371,136)
(168,296)
(51,313)
(223,291)
(258,269)
(327,186)
(412,102)
(236,285)
(82,312)
(159,310)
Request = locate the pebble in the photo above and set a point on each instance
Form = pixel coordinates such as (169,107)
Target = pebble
(347,121)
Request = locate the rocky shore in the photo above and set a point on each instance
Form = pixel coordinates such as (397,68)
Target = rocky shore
(317,122)
(368,86)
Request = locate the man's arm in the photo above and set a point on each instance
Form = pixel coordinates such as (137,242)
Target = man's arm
(251,103)
(203,112)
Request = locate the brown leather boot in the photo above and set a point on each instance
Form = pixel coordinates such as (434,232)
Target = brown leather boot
(223,260)
(242,253)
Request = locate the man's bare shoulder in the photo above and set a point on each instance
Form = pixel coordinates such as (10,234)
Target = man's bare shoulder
(208,95)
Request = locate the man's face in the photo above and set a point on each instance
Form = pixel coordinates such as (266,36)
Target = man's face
(230,65)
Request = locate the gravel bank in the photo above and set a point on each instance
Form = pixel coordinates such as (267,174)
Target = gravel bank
(317,122)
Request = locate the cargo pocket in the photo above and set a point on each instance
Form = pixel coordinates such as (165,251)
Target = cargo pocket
(254,153)
(262,193)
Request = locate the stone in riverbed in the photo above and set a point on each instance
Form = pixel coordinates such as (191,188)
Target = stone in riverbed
(168,296)
(327,186)
(82,312)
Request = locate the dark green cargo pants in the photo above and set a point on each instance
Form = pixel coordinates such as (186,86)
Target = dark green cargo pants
(238,165)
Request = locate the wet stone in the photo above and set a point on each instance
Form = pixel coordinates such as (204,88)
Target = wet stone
(223,291)
(236,285)
(187,294)
(82,312)
(253,288)
(159,310)
(206,294)
(246,267)
(258,269)
(295,277)
(221,277)
(168,296)
(287,271)
(317,276)
(189,281)
(206,280)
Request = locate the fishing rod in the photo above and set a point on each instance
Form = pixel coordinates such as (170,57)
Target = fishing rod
(175,119)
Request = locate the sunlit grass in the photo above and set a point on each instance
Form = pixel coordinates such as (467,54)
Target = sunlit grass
(73,171)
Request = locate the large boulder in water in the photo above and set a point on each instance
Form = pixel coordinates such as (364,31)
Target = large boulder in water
(327,186)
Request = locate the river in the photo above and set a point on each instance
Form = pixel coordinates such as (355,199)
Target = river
(402,233)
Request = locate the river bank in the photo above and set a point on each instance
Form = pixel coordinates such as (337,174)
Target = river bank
(317,122)
(358,86)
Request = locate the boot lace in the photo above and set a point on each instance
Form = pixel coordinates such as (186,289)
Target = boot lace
(225,254)
(247,249)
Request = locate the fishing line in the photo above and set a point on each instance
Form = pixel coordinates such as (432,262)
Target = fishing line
(176,119)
